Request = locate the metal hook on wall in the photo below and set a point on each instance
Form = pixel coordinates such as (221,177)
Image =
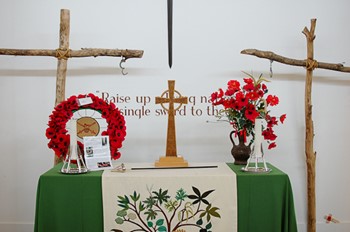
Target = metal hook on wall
(271,72)
(123,60)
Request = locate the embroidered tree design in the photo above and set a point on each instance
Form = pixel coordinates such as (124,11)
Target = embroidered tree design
(160,212)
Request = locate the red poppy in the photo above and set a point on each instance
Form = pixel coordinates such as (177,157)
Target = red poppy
(61,138)
(51,144)
(248,80)
(228,103)
(261,93)
(241,99)
(233,85)
(272,121)
(268,134)
(50,132)
(116,155)
(272,100)
(250,112)
(216,97)
(237,106)
(249,87)
(252,96)
(213,97)
(230,92)
(59,107)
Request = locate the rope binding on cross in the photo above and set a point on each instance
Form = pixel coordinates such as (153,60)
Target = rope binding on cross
(63,53)
(311,64)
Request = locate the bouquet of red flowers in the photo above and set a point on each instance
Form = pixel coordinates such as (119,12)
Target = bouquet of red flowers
(243,104)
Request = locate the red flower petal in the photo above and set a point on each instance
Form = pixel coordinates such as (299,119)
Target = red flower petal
(283,117)
(272,145)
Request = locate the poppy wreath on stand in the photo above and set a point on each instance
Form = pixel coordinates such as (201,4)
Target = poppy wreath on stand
(63,112)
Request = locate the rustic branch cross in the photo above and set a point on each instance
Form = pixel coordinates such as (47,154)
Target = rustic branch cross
(63,53)
(310,65)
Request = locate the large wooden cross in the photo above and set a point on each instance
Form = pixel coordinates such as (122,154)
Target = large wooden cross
(171,158)
(310,65)
(63,53)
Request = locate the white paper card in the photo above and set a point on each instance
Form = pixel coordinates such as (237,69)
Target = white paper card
(84,101)
(97,153)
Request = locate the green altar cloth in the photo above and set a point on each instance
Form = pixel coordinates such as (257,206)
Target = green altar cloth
(67,203)
(265,201)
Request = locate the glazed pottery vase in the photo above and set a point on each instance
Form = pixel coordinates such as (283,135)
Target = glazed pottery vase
(240,151)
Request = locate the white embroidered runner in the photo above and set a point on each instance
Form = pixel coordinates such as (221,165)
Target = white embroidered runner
(181,200)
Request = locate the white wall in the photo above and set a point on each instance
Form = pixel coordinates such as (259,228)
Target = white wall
(208,38)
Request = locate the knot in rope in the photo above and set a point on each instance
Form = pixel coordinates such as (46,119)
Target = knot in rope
(63,54)
(311,64)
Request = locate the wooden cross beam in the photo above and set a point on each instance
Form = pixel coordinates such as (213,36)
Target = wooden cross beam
(63,53)
(310,65)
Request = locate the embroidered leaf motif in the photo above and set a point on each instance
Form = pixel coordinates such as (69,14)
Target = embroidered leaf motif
(121,213)
(180,195)
(199,197)
(205,194)
(171,205)
(141,207)
(187,211)
(119,220)
(209,226)
(135,197)
(124,202)
(162,229)
(161,196)
(150,202)
(199,222)
(132,216)
(210,211)
(159,222)
(151,214)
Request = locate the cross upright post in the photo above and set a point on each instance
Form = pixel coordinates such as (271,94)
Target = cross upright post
(171,159)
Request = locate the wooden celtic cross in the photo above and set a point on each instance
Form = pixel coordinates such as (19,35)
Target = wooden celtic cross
(171,159)
(310,64)
(63,53)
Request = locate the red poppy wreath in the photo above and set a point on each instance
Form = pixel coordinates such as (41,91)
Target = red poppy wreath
(63,112)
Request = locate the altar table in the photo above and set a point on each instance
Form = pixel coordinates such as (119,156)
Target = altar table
(74,202)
